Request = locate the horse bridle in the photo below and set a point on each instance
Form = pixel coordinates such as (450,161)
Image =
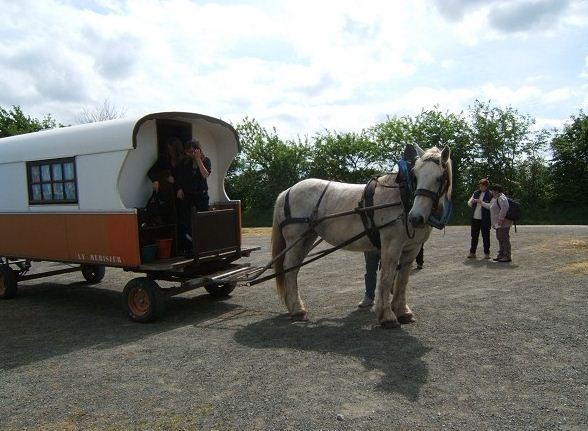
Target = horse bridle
(443,187)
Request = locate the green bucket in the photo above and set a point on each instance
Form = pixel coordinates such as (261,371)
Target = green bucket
(148,253)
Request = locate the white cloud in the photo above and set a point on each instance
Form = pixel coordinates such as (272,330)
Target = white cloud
(300,66)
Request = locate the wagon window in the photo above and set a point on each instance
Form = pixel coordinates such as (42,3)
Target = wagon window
(52,182)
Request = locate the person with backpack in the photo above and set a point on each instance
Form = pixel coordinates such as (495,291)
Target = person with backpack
(498,207)
(480,219)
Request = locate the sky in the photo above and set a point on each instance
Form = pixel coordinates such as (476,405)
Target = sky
(298,66)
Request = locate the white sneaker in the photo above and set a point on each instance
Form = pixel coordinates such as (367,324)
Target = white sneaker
(366,302)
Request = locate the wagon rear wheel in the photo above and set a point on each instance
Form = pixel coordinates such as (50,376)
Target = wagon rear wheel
(143,300)
(220,290)
(8,283)
(93,273)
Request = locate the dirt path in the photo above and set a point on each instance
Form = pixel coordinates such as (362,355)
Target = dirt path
(496,346)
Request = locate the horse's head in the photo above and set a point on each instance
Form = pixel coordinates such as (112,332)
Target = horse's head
(432,170)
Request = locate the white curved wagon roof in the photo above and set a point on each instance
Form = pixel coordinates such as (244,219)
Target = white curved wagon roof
(100,137)
(112,159)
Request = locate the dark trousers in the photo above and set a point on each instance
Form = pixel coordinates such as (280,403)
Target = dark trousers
(200,203)
(184,223)
(477,227)
(372,261)
(420,257)
(503,237)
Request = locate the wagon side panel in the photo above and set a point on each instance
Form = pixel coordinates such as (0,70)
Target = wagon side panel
(104,238)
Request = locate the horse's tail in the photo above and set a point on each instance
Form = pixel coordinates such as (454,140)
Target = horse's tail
(278,245)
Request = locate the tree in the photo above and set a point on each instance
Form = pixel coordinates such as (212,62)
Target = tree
(500,137)
(570,162)
(346,157)
(435,128)
(104,112)
(266,166)
(15,122)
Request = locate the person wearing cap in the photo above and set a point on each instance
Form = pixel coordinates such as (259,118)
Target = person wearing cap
(480,219)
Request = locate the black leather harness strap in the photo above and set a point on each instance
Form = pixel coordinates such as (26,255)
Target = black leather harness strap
(311,221)
(367,216)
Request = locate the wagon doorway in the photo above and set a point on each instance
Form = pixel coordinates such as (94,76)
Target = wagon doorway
(172,129)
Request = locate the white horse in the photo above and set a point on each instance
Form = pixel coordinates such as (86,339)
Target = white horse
(299,218)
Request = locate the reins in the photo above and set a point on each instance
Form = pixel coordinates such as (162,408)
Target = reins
(406,184)
(318,255)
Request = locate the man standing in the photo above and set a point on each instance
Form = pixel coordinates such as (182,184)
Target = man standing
(480,219)
(192,189)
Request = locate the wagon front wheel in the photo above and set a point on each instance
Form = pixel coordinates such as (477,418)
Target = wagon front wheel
(8,283)
(143,300)
(220,290)
(93,273)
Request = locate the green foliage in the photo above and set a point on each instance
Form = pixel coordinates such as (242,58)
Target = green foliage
(487,141)
(346,157)
(435,128)
(570,161)
(266,166)
(500,137)
(14,122)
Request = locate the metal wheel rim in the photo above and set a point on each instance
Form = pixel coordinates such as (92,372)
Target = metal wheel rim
(139,301)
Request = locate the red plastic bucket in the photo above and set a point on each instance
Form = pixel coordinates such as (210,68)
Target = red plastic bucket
(164,247)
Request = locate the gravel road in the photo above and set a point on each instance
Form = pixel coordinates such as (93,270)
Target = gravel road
(496,346)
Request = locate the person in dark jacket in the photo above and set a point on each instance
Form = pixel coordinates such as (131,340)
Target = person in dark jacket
(164,168)
(192,188)
(480,219)
(163,176)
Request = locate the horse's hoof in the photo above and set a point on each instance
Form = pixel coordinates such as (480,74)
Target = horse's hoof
(407,318)
(299,317)
(390,324)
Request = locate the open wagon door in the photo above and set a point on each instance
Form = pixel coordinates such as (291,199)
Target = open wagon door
(216,234)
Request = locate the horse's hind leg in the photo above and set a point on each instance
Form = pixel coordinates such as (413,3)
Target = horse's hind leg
(295,256)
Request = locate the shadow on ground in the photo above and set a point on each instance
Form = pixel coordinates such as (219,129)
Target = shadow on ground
(49,319)
(395,353)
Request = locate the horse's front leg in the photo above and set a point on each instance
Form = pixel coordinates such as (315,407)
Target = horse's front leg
(399,305)
(384,312)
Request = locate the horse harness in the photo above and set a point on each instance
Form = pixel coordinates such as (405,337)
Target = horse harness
(405,181)
(366,208)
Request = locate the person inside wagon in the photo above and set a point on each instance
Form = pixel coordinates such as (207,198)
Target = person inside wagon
(191,189)
(163,176)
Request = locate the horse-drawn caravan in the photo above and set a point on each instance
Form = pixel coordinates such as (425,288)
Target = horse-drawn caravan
(76,195)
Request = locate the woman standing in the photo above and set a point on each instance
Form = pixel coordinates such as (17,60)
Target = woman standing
(498,207)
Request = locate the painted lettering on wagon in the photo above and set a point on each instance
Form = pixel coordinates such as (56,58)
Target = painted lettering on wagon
(99,258)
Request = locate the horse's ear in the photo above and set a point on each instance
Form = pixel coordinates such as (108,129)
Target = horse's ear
(445,154)
(410,153)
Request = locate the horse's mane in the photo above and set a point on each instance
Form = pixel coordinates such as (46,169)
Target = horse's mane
(434,154)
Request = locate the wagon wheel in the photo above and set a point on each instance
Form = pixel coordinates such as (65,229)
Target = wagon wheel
(93,273)
(220,290)
(143,300)
(8,283)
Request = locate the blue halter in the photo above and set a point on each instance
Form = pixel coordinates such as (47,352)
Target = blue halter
(439,220)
